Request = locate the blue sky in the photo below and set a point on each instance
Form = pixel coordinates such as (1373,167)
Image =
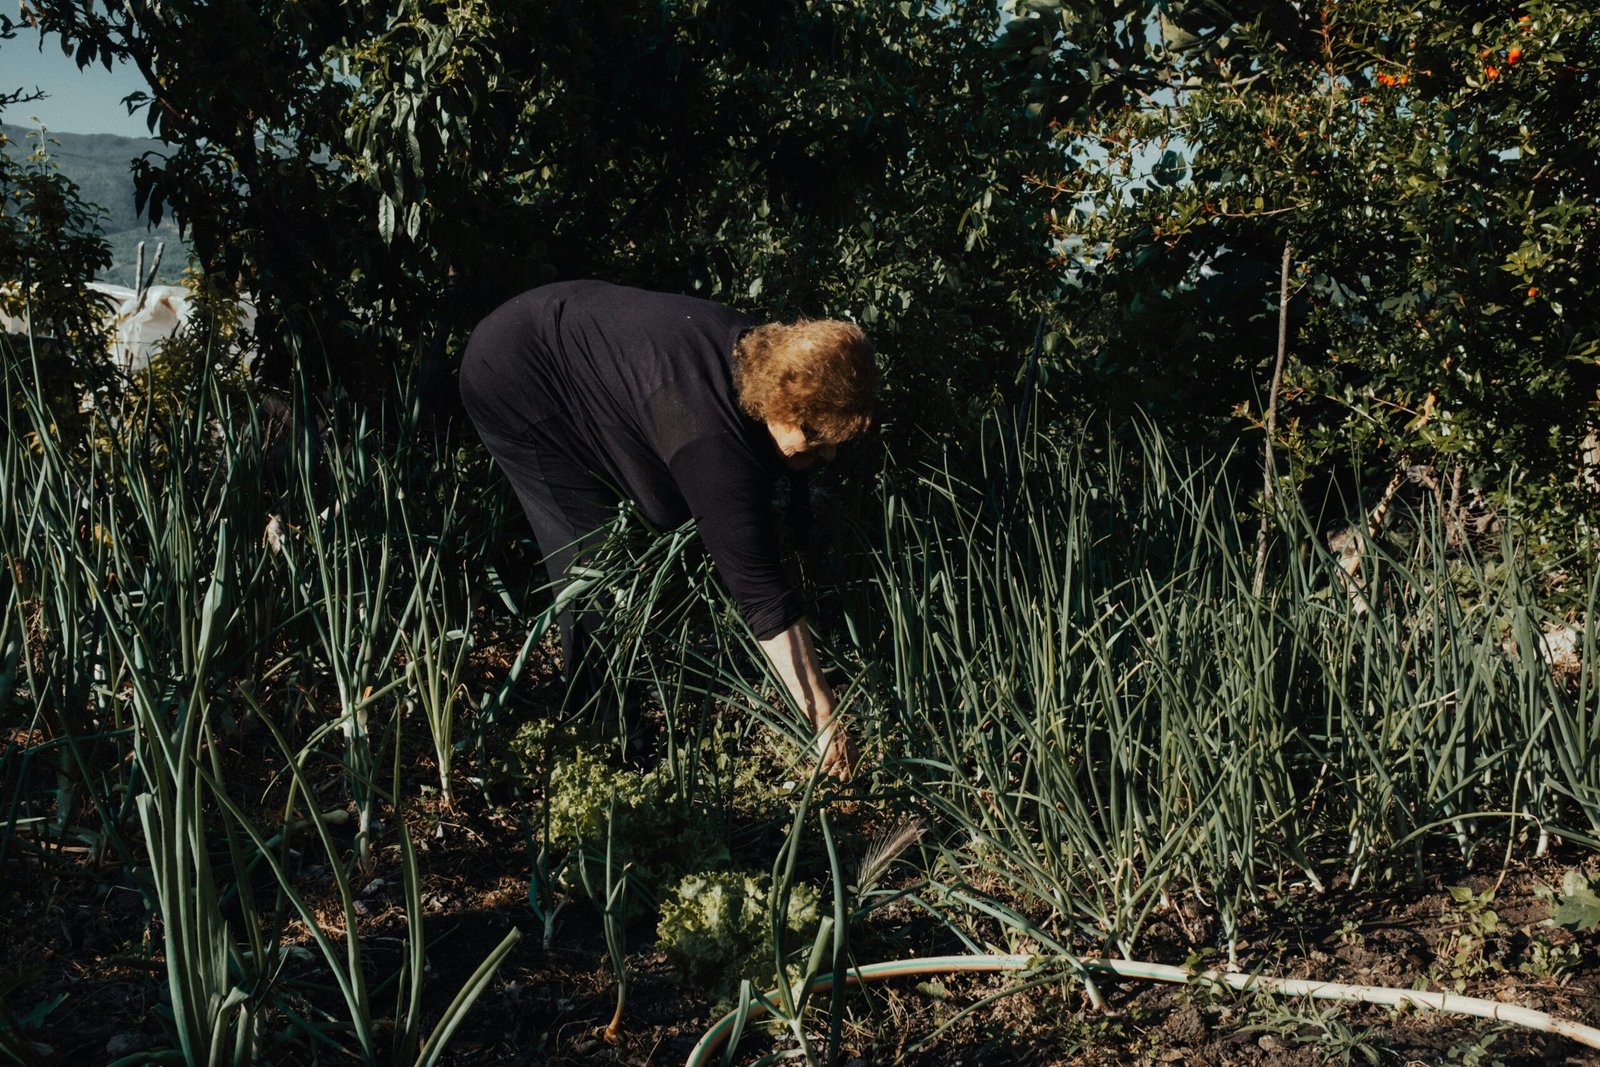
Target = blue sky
(86,101)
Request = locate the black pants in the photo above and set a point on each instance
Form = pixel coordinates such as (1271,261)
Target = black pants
(565,502)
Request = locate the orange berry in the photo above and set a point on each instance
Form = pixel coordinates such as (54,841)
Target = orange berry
(1533,291)
(1404,78)
(1491,73)
(1513,55)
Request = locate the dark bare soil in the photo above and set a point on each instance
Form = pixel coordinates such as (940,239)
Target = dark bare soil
(71,930)
(81,978)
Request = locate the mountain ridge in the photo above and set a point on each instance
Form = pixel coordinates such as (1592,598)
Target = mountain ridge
(101,165)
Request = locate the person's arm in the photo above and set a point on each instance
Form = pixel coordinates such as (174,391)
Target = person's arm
(794,657)
(728,498)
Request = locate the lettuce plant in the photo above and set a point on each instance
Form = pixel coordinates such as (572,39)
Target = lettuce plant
(588,802)
(715,928)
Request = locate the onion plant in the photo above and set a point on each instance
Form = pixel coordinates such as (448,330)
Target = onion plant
(212,984)
(612,896)
(1112,717)
(1574,724)
(167,601)
(53,512)
(345,576)
(347,965)
(141,620)
(437,644)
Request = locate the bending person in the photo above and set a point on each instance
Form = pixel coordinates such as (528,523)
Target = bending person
(586,392)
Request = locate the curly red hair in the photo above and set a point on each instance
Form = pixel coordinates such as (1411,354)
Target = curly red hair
(816,374)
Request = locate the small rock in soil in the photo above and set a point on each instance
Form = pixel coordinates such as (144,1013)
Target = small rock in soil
(1187,1025)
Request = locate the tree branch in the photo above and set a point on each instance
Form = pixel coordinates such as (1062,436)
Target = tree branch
(1272,419)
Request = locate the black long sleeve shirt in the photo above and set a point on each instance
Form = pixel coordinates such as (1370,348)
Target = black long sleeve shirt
(643,383)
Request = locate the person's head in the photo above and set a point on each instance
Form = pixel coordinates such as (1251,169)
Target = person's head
(812,382)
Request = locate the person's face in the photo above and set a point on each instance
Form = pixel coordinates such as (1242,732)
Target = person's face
(800,445)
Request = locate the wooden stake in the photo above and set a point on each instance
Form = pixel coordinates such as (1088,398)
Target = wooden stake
(1272,419)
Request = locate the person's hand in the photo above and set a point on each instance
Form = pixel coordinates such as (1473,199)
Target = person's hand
(837,747)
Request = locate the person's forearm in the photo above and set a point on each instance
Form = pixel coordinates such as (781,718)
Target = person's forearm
(794,657)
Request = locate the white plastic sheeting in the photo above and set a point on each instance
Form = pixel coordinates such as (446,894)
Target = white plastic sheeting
(140,326)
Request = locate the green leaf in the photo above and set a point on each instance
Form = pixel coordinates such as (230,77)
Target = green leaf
(1170,169)
(386,219)
(1579,907)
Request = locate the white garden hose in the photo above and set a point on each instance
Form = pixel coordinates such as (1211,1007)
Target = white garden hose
(1296,987)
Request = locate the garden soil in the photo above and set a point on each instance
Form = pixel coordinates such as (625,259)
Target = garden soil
(82,972)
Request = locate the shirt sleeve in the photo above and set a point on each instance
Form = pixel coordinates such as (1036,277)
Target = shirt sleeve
(728,497)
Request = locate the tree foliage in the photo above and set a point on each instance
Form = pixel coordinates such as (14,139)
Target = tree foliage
(382,172)
(50,247)
(1430,164)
